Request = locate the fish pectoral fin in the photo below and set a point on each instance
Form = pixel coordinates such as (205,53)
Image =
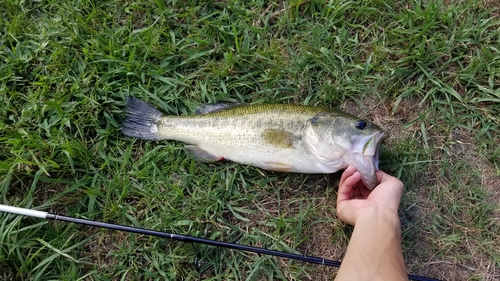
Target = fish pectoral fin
(277,166)
(280,138)
(201,154)
(214,107)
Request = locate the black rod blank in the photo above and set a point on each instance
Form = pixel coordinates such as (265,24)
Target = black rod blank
(190,239)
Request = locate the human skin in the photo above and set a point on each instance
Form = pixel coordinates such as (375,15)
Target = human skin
(374,251)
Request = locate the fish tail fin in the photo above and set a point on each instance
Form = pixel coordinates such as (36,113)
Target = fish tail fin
(141,121)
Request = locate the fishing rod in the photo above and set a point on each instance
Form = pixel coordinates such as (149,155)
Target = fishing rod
(182,238)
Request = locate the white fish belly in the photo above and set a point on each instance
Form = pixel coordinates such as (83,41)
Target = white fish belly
(270,158)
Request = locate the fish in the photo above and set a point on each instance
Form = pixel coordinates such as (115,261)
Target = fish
(276,137)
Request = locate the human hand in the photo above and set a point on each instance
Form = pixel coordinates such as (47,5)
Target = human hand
(355,200)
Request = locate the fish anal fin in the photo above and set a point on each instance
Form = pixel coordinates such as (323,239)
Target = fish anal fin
(277,166)
(279,138)
(201,154)
(214,107)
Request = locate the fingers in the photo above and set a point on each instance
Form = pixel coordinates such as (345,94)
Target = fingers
(347,173)
(353,197)
(349,178)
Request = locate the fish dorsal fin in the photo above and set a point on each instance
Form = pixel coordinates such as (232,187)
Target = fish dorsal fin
(280,138)
(214,107)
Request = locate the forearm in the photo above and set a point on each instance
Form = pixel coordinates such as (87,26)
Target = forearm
(374,251)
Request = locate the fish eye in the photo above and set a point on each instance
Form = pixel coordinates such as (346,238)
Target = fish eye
(360,124)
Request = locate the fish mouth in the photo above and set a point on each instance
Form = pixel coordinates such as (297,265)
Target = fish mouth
(378,140)
(365,157)
(369,144)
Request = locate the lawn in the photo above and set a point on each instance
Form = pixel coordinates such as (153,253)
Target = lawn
(427,72)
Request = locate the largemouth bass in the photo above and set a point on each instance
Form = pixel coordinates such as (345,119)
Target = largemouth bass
(276,137)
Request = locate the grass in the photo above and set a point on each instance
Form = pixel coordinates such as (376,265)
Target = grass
(427,72)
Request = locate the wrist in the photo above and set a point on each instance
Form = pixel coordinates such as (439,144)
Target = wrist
(377,214)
